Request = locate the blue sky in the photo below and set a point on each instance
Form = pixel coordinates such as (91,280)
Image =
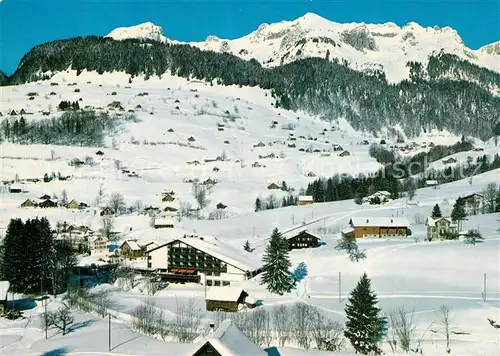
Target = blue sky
(26,23)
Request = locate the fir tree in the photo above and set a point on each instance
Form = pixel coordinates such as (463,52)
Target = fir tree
(458,212)
(436,212)
(347,243)
(497,202)
(247,246)
(300,272)
(363,326)
(473,237)
(12,262)
(276,275)
(258,204)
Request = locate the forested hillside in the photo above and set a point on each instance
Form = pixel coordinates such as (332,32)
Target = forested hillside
(449,94)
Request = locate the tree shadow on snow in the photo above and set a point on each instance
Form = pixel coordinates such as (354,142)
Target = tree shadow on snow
(79,325)
(56,352)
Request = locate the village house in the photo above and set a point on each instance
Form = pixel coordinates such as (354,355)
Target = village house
(228,340)
(98,244)
(15,189)
(163,224)
(29,203)
(221,206)
(99,153)
(107,211)
(380,197)
(225,299)
(440,227)
(73,204)
(344,154)
(449,160)
(273,186)
(303,239)
(191,139)
(311,175)
(76,162)
(167,198)
(260,144)
(432,183)
(48,203)
(305,200)
(131,249)
(378,227)
(473,203)
(202,258)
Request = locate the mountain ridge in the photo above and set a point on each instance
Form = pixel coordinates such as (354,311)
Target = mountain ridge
(364,47)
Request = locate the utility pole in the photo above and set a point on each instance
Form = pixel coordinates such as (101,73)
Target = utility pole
(484,288)
(109,332)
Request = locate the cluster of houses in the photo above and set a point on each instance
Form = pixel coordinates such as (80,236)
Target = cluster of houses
(83,238)
(46,201)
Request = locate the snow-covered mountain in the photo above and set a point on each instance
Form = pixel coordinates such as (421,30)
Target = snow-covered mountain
(366,47)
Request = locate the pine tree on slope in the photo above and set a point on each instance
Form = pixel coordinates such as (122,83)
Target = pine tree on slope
(13,261)
(363,326)
(276,275)
(436,212)
(247,246)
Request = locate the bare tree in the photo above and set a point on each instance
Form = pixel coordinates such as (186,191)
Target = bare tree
(64,198)
(118,164)
(186,327)
(146,317)
(184,209)
(125,277)
(117,203)
(200,194)
(258,324)
(444,320)
(137,206)
(301,316)
(490,195)
(61,318)
(100,194)
(108,222)
(217,214)
(402,329)
(101,303)
(327,334)
(282,324)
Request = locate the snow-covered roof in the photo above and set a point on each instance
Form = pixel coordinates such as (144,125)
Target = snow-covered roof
(347,230)
(161,221)
(293,233)
(4,288)
(432,222)
(305,198)
(134,246)
(228,340)
(431,182)
(383,192)
(379,221)
(224,294)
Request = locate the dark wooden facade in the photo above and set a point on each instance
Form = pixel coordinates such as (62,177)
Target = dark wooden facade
(303,240)
(226,305)
(207,350)
(47,204)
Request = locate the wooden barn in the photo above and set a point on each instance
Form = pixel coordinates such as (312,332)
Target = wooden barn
(226,299)
(303,239)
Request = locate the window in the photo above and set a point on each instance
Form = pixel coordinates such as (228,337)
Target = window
(226,283)
(209,282)
(217,283)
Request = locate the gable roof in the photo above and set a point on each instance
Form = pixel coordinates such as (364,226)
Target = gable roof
(432,222)
(228,340)
(306,198)
(379,221)
(134,246)
(216,248)
(224,294)
(4,288)
(291,234)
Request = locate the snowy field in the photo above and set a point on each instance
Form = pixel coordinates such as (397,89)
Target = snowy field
(419,275)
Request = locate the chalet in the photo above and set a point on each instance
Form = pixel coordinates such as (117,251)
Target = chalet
(473,203)
(82,205)
(98,244)
(379,227)
(196,258)
(29,203)
(317,150)
(45,197)
(256,165)
(310,175)
(337,148)
(273,186)
(260,144)
(107,211)
(15,189)
(163,224)
(170,130)
(225,299)
(170,209)
(191,139)
(344,154)
(49,203)
(151,210)
(380,197)
(432,183)
(226,142)
(478,149)
(193,163)
(13,113)
(215,169)
(221,206)
(364,142)
(209,181)
(4,290)
(76,162)
(305,200)
(131,249)
(440,227)
(303,239)
(292,145)
(449,160)
(99,153)
(228,340)
(73,204)
(167,198)
(115,104)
